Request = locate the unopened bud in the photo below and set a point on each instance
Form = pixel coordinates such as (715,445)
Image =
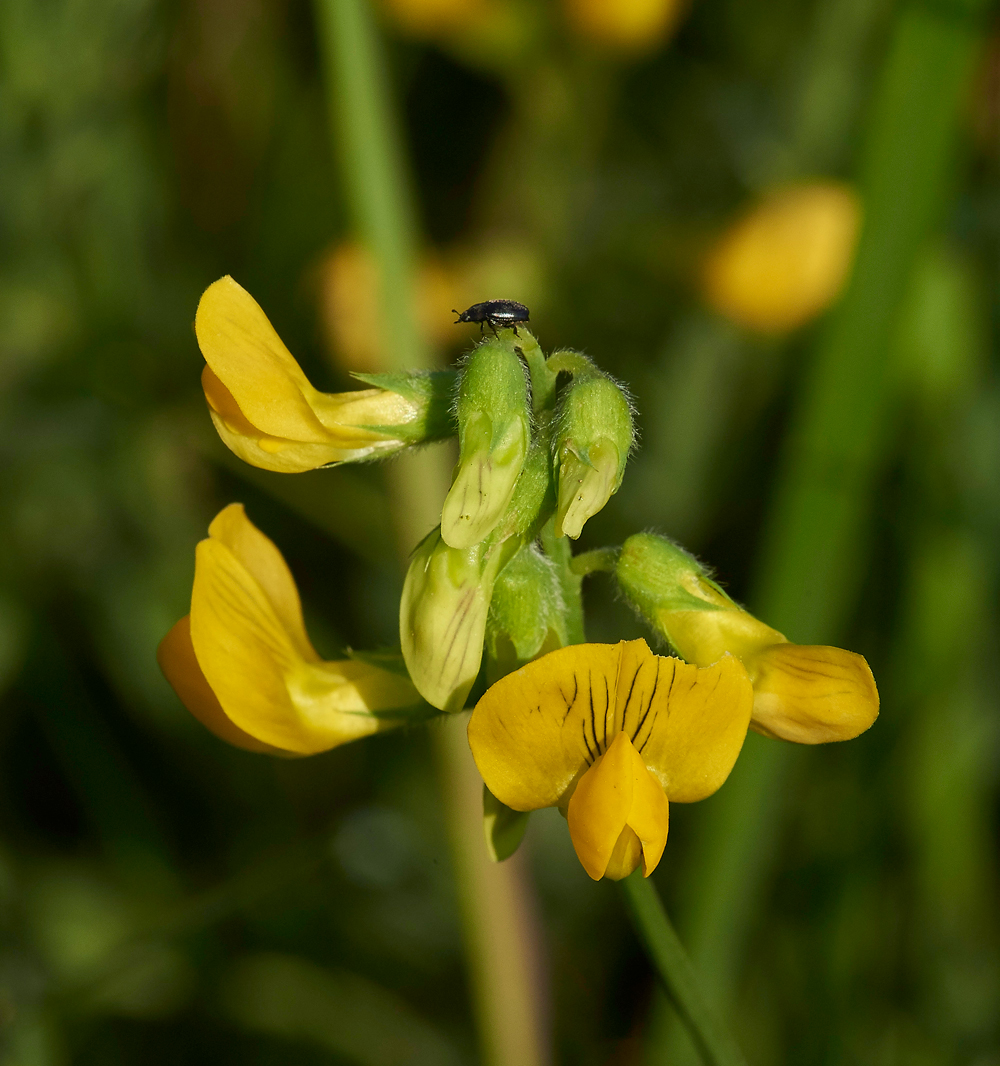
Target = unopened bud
(592,444)
(493,433)
(442,616)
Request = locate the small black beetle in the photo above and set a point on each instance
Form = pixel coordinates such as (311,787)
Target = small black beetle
(494,313)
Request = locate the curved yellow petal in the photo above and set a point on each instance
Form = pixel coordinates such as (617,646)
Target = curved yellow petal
(812,694)
(260,556)
(618,814)
(279,454)
(245,352)
(177,660)
(687,722)
(256,658)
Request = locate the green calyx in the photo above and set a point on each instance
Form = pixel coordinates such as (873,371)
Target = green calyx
(657,575)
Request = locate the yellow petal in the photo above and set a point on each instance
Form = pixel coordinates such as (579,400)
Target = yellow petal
(812,694)
(247,355)
(704,636)
(256,658)
(536,731)
(260,556)
(279,454)
(180,667)
(688,723)
(618,812)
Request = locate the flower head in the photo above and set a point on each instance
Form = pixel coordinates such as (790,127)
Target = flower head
(809,694)
(268,413)
(243,664)
(611,733)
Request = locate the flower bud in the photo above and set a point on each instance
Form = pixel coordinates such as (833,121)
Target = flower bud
(527,613)
(493,434)
(243,664)
(442,616)
(592,443)
(267,412)
(806,693)
(785,260)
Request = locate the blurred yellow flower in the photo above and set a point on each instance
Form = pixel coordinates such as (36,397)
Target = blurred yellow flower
(243,665)
(349,297)
(624,25)
(785,260)
(611,733)
(432,18)
(265,409)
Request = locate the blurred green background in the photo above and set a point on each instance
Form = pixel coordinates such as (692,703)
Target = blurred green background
(164,898)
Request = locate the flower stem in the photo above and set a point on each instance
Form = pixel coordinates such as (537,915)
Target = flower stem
(495,900)
(674,969)
(603,559)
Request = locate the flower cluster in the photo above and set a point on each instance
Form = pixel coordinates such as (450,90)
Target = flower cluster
(608,733)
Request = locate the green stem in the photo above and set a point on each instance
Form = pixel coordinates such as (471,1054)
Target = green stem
(496,900)
(816,543)
(674,969)
(599,559)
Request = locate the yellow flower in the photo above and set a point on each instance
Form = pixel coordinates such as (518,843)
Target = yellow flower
(786,259)
(611,733)
(810,694)
(264,407)
(433,18)
(242,663)
(624,25)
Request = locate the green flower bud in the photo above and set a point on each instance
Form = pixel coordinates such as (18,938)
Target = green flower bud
(442,615)
(592,443)
(527,615)
(493,432)
(681,602)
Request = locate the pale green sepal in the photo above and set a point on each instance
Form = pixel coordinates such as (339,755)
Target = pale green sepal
(493,435)
(504,827)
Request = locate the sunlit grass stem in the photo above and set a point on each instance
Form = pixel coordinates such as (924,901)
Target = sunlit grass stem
(815,549)
(495,900)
